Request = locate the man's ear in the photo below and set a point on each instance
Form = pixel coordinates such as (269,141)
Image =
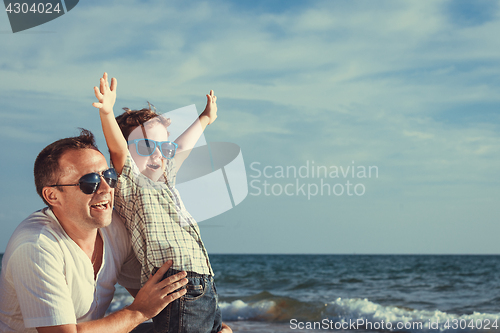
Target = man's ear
(51,195)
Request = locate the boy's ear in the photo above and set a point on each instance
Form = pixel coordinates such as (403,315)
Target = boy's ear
(51,195)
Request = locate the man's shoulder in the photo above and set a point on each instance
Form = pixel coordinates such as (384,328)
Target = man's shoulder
(38,233)
(40,225)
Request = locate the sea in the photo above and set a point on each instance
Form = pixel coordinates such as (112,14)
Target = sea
(365,293)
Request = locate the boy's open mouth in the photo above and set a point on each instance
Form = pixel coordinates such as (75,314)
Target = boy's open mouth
(154,166)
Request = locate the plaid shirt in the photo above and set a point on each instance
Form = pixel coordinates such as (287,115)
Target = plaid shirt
(161,229)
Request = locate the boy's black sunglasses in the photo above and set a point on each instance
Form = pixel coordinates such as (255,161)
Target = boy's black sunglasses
(90,182)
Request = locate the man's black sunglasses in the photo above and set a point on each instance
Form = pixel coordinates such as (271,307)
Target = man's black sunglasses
(90,182)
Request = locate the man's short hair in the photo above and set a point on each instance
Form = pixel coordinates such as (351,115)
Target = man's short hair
(47,169)
(130,119)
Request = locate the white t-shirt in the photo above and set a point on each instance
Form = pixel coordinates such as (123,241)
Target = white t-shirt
(47,279)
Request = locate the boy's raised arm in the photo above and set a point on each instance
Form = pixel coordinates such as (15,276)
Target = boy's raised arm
(117,144)
(188,139)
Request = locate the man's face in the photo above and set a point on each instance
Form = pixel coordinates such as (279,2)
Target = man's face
(88,211)
(151,166)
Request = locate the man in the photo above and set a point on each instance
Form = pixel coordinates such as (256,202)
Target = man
(62,262)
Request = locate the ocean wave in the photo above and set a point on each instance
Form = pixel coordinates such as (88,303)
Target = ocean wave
(355,314)
(343,313)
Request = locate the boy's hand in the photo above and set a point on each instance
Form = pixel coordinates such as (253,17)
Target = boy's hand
(106,95)
(211,108)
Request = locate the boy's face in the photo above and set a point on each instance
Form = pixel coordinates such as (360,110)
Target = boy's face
(154,165)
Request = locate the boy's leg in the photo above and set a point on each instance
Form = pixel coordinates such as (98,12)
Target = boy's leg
(200,311)
(218,314)
(167,321)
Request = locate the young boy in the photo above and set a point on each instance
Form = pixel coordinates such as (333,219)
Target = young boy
(148,202)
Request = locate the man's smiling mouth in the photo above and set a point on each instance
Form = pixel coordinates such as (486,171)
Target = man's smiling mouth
(101,205)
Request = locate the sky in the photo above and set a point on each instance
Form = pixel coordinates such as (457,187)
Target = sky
(408,90)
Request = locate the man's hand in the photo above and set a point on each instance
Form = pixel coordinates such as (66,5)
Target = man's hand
(211,108)
(155,295)
(106,95)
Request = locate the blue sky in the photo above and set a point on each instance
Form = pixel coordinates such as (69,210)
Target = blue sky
(410,87)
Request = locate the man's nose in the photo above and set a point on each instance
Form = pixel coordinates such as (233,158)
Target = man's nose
(104,186)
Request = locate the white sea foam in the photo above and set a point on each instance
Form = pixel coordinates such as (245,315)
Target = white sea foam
(354,310)
(239,310)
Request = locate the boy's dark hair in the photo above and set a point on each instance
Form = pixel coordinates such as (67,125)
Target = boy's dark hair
(47,170)
(130,119)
